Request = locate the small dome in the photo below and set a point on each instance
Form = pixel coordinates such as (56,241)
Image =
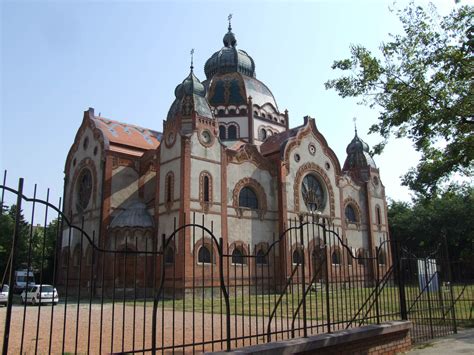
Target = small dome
(190,96)
(134,216)
(357,145)
(229,59)
(190,86)
(358,156)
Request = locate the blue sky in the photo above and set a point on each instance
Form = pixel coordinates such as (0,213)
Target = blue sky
(124,58)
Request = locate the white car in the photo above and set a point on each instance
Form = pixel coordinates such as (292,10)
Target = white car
(4,294)
(40,293)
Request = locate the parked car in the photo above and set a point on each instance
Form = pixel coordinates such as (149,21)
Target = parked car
(40,294)
(4,294)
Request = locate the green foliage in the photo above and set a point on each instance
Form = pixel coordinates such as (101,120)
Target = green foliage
(41,250)
(424,223)
(423,84)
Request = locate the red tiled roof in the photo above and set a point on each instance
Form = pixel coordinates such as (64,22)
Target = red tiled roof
(128,135)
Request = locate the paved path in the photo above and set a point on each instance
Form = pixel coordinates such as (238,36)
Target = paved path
(461,343)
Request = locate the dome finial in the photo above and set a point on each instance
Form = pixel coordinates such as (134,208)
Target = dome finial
(192,55)
(355,125)
(229,18)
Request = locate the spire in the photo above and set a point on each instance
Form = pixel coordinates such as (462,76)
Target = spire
(229,38)
(192,55)
(355,125)
(229,18)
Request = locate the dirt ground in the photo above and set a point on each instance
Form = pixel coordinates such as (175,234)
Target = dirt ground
(90,335)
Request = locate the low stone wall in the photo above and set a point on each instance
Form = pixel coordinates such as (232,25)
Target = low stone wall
(387,338)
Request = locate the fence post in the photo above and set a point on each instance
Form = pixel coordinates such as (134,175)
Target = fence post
(400,280)
(16,235)
(326,262)
(377,283)
(224,291)
(303,283)
(450,279)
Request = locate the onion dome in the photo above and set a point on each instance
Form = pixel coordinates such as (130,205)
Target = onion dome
(190,97)
(134,216)
(358,156)
(229,59)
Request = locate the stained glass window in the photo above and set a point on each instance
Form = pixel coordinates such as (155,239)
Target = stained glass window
(85,188)
(313,193)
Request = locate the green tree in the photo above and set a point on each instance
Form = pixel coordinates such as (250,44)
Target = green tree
(422,82)
(424,223)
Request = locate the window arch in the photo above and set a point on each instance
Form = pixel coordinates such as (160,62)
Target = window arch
(206,188)
(232,112)
(220,113)
(222,132)
(351,215)
(243,112)
(297,257)
(248,198)
(204,255)
(232,132)
(238,256)
(336,257)
(262,134)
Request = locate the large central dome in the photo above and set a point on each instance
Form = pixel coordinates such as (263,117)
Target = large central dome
(229,59)
(230,78)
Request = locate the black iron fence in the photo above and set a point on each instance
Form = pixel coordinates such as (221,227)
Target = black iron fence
(193,291)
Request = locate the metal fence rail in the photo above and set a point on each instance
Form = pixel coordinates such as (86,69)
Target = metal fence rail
(192,291)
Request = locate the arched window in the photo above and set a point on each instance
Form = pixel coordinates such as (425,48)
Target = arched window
(297,258)
(262,134)
(222,134)
(84,189)
(206,188)
(169,255)
(377,215)
(261,258)
(238,256)
(336,257)
(221,113)
(232,112)
(169,187)
(243,112)
(232,132)
(313,193)
(248,198)
(204,255)
(350,214)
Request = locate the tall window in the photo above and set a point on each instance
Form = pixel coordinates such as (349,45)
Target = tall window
(313,193)
(169,187)
(169,255)
(262,134)
(377,215)
(222,134)
(350,214)
(206,188)
(248,198)
(232,132)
